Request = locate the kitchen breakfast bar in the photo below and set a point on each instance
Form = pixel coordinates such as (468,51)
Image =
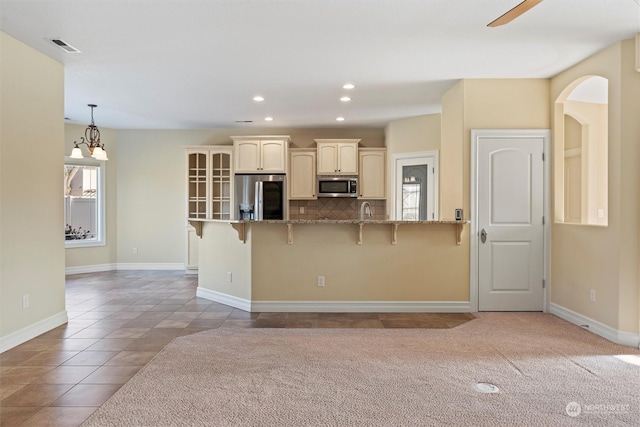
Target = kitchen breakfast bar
(335,265)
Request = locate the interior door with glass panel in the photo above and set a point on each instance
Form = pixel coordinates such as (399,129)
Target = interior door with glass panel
(415,189)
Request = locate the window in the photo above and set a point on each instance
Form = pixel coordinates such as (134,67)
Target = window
(411,200)
(83,203)
(416,176)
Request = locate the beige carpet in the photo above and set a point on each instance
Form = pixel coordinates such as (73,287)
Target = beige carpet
(385,377)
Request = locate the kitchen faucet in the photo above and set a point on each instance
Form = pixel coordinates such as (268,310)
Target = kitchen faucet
(365,210)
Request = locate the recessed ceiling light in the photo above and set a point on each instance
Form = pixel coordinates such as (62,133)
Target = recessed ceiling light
(348,86)
(258,98)
(340,119)
(345,99)
(269,119)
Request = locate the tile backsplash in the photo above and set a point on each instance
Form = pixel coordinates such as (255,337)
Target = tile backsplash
(335,208)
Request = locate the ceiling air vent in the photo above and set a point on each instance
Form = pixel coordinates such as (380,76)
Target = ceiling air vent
(244,121)
(65,46)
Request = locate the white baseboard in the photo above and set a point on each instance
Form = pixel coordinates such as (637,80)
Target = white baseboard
(150,266)
(230,300)
(628,339)
(336,306)
(362,306)
(25,334)
(89,268)
(124,266)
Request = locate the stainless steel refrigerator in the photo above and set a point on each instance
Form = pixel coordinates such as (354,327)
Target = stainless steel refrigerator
(260,197)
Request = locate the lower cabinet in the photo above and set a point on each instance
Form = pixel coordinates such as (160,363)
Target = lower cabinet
(191,251)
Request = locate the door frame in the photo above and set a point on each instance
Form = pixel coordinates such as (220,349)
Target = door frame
(476,136)
(434,155)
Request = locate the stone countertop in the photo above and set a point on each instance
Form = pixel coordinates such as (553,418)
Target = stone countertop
(240,226)
(351,221)
(328,221)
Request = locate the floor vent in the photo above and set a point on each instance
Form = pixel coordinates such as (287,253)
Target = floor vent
(486,388)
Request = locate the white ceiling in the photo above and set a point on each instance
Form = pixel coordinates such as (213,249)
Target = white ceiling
(180,64)
(594,90)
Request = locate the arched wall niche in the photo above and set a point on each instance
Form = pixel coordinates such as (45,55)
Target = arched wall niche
(581,152)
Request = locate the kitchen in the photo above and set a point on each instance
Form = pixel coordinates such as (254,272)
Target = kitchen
(320,239)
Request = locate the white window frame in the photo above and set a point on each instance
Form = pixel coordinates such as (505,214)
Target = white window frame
(101,239)
(429,158)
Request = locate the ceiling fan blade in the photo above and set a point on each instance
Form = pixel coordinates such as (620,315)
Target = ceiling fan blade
(514,13)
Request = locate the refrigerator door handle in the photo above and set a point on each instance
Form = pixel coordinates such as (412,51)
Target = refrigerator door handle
(258,203)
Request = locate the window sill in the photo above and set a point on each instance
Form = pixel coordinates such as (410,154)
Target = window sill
(83,244)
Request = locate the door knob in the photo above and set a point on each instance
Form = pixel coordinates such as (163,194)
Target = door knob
(483,235)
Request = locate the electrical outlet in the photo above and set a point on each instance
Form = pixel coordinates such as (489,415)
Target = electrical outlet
(135,251)
(229,276)
(600,213)
(25,301)
(592,295)
(301,210)
(320,281)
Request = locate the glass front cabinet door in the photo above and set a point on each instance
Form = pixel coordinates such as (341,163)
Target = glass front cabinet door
(209,182)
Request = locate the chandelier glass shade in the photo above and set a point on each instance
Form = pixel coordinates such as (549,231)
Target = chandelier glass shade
(91,139)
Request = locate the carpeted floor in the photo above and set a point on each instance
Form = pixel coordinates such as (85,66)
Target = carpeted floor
(549,373)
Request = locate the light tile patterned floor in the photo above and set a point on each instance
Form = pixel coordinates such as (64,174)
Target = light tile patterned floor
(118,321)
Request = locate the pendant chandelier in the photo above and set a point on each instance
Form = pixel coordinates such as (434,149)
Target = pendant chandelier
(91,139)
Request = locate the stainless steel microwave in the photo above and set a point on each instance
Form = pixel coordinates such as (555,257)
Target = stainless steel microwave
(337,186)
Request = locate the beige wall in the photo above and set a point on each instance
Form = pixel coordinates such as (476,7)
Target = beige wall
(572,133)
(605,259)
(107,254)
(266,268)
(31,183)
(483,104)
(629,294)
(452,152)
(420,133)
(151,184)
(502,104)
(150,196)
(221,243)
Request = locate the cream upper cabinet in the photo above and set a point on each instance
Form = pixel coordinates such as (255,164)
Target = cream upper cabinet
(372,173)
(337,156)
(302,174)
(327,159)
(260,154)
(247,155)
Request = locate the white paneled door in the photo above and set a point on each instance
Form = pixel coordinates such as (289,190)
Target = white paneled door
(510,204)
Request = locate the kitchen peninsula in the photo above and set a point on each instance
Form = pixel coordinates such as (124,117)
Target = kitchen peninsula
(335,265)
(306,230)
